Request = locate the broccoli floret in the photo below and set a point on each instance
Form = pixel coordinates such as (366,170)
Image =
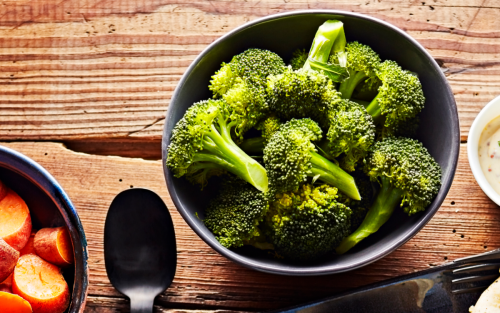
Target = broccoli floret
(203,136)
(235,213)
(248,103)
(242,83)
(299,58)
(362,63)
(290,157)
(399,98)
(308,223)
(408,176)
(251,66)
(300,94)
(269,126)
(351,132)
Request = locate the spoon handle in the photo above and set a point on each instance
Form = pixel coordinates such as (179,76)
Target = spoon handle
(141,305)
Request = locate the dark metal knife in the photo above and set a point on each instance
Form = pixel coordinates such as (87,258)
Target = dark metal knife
(426,291)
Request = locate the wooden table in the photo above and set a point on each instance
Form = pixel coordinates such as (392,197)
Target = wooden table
(84,90)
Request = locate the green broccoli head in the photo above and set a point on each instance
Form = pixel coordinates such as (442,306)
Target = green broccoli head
(407,166)
(268,126)
(299,58)
(235,213)
(351,132)
(290,157)
(203,137)
(300,94)
(248,105)
(308,223)
(362,64)
(189,133)
(287,155)
(362,58)
(252,66)
(399,98)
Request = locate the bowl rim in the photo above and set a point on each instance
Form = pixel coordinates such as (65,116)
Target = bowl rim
(40,177)
(475,131)
(331,269)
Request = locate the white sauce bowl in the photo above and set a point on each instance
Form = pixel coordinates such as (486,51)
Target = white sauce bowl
(487,114)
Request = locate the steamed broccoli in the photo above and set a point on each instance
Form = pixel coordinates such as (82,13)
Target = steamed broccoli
(290,157)
(399,98)
(252,66)
(203,137)
(242,83)
(302,93)
(299,58)
(269,126)
(248,102)
(235,213)
(307,223)
(362,64)
(408,176)
(351,133)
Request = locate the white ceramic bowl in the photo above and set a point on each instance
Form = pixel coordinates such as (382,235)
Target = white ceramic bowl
(487,114)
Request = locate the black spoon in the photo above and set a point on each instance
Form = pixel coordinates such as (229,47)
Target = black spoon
(139,247)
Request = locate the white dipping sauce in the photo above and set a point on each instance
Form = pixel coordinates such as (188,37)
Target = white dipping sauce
(489,153)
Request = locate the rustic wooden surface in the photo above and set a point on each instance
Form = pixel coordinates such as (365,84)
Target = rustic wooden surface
(83,82)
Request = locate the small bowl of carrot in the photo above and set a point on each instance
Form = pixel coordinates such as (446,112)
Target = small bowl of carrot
(43,255)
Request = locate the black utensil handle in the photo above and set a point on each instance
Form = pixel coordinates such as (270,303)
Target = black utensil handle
(141,305)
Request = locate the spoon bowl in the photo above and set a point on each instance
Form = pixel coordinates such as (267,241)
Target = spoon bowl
(139,247)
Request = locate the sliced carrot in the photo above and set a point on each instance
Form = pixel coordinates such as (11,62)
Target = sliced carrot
(8,259)
(41,284)
(54,246)
(29,248)
(16,229)
(10,303)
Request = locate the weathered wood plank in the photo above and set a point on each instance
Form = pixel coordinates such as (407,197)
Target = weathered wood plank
(466,224)
(106,69)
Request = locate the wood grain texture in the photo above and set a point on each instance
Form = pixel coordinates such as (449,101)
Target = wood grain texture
(466,224)
(104,69)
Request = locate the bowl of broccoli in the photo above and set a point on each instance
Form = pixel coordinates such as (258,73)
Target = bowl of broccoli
(310,142)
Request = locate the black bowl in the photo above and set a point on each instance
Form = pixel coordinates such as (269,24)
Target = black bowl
(283,33)
(49,206)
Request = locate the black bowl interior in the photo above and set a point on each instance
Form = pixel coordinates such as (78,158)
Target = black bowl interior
(44,212)
(282,34)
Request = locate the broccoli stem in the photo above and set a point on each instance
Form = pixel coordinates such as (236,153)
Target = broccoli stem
(225,153)
(374,110)
(329,38)
(386,201)
(253,145)
(347,86)
(332,174)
